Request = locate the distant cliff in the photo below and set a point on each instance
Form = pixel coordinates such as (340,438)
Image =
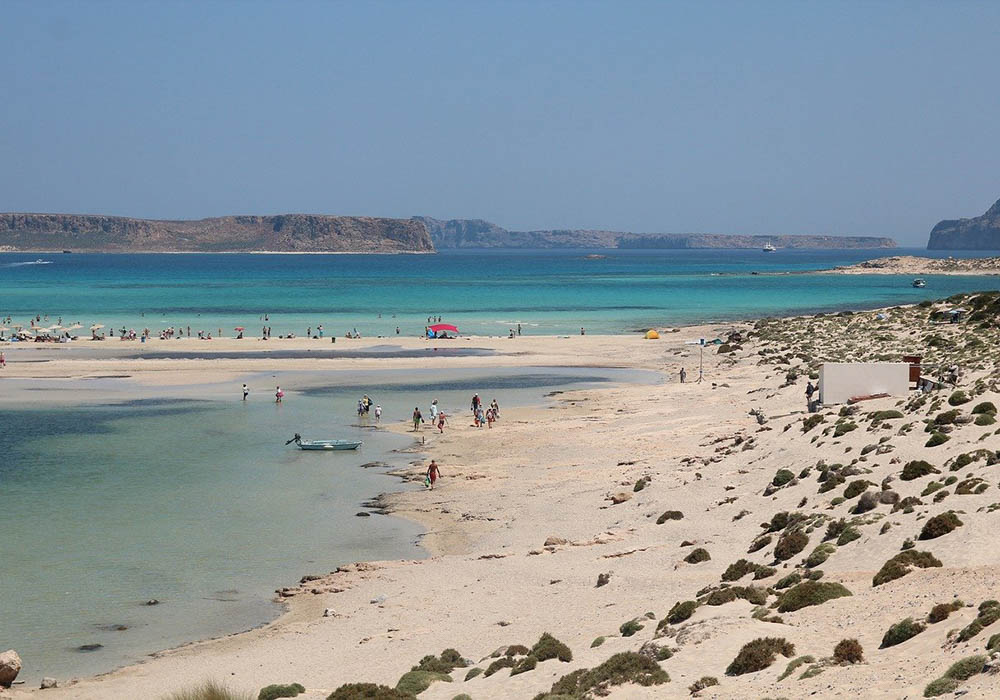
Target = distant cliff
(979,233)
(300,233)
(476,233)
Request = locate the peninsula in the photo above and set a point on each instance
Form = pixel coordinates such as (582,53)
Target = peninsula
(477,233)
(299,233)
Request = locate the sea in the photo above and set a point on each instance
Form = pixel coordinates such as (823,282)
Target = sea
(113,494)
(483,293)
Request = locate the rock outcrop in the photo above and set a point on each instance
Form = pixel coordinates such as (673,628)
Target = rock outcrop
(10,666)
(476,233)
(283,233)
(979,233)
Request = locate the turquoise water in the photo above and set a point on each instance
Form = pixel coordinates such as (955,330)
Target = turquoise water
(548,292)
(196,502)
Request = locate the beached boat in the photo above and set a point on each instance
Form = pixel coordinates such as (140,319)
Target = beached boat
(919,282)
(324,444)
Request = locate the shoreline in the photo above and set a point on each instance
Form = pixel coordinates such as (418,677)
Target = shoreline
(524,520)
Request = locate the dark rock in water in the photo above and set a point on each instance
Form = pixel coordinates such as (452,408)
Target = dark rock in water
(89,647)
(363,514)
(152,601)
(370,465)
(48,683)
(112,628)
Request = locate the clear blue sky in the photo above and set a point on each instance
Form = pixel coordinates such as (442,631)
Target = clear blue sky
(743,117)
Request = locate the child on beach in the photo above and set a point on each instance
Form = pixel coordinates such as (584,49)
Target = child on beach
(433,472)
(278,394)
(378,412)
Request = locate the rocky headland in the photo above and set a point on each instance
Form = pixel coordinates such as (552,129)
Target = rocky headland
(299,233)
(476,233)
(915,265)
(977,233)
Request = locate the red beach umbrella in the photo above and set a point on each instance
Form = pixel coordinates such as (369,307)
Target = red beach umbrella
(239,328)
(438,327)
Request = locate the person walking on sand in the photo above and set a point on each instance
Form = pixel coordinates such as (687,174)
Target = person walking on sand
(434,411)
(683,374)
(433,472)
(417,419)
(246,392)
(3,361)
(810,390)
(440,422)
(278,394)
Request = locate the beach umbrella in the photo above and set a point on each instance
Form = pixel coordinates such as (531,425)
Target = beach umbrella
(75,326)
(239,328)
(4,328)
(438,327)
(96,326)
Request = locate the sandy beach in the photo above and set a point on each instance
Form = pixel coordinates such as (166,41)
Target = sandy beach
(581,518)
(916,265)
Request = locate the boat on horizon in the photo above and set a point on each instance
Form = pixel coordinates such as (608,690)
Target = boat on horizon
(919,282)
(768,248)
(326,445)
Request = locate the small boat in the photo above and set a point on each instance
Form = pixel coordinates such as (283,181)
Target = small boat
(919,282)
(768,248)
(324,444)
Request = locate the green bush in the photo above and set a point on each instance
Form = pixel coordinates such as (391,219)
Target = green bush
(984,407)
(916,469)
(940,686)
(994,643)
(901,564)
(526,664)
(629,628)
(513,650)
(790,544)
(810,593)
(794,664)
(697,556)
(856,488)
(939,525)
(937,439)
(900,632)
(416,682)
(848,536)
(626,667)
(789,580)
(957,398)
(681,611)
(271,692)
(947,417)
(844,428)
(966,668)
(597,642)
(759,654)
(473,672)
(759,544)
(820,554)
(811,422)
(548,647)
(885,415)
(848,651)
(209,690)
(941,611)
(368,691)
(502,662)
(782,477)
(741,567)
(985,419)
(989,612)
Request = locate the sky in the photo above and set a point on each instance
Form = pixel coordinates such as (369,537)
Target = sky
(852,118)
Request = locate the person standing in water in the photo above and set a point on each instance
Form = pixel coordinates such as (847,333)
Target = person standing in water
(378,412)
(278,394)
(433,472)
(246,392)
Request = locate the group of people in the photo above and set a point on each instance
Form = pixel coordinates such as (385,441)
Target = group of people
(365,406)
(484,415)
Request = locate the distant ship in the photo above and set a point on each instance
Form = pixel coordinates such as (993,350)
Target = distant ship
(768,248)
(919,283)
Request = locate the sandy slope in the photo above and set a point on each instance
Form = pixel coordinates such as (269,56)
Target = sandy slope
(549,472)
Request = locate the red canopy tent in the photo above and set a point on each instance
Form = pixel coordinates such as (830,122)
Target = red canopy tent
(442,328)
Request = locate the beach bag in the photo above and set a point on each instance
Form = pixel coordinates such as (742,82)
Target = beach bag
(427,481)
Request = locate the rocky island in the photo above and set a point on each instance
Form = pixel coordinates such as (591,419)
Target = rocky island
(298,233)
(978,233)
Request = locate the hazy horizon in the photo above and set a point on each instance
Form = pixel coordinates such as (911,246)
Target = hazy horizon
(769,118)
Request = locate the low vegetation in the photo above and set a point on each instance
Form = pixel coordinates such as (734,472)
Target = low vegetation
(209,690)
(272,692)
(626,667)
(367,691)
(809,593)
(848,651)
(759,654)
(416,682)
(900,632)
(548,647)
(916,469)
(697,556)
(702,683)
(902,564)
(939,526)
